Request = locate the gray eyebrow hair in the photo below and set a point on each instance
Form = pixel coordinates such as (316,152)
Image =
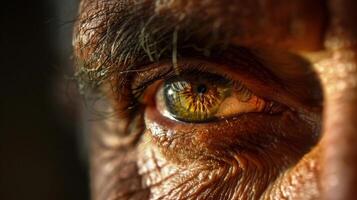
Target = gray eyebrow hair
(119,37)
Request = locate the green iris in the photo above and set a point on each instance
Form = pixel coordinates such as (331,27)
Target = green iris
(195,100)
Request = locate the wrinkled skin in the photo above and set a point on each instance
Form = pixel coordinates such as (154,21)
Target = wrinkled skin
(130,161)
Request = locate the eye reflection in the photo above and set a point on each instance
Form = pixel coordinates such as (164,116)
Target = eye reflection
(204,97)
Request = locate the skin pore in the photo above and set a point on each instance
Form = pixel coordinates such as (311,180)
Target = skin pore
(297,57)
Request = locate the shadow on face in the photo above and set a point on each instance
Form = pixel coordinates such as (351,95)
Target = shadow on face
(220,100)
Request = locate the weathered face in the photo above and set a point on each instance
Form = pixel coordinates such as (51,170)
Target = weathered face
(226,99)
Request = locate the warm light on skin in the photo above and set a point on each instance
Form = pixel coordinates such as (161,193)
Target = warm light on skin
(170,155)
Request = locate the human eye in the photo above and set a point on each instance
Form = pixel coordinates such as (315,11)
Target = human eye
(196,96)
(201,97)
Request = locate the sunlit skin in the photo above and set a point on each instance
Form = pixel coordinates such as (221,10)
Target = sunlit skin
(300,55)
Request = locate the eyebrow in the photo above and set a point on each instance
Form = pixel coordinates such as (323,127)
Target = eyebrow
(118,38)
(126,33)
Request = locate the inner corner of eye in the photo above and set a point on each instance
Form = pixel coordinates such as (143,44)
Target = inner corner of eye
(203,98)
(147,95)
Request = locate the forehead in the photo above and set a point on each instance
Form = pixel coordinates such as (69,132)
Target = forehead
(294,25)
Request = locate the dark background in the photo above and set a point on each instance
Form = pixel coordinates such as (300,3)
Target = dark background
(39,132)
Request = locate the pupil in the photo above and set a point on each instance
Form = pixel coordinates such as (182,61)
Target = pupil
(201,89)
